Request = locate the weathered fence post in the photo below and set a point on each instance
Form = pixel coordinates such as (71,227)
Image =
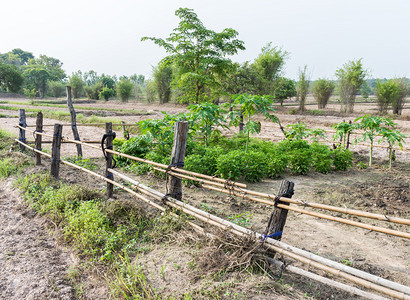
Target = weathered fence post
(73,121)
(125,132)
(178,158)
(241,123)
(348,137)
(39,128)
(278,218)
(55,150)
(22,132)
(109,138)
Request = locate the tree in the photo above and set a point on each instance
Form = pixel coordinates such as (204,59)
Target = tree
(242,80)
(351,77)
(107,81)
(52,65)
(106,93)
(393,137)
(284,88)
(124,89)
(269,66)
(16,57)
(56,88)
(162,78)
(302,87)
(10,78)
(36,76)
(372,126)
(139,81)
(322,89)
(398,103)
(365,90)
(200,54)
(387,92)
(77,84)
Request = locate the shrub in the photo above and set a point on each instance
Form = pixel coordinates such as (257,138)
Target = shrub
(342,159)
(255,166)
(277,163)
(230,165)
(106,93)
(136,146)
(321,158)
(300,161)
(56,88)
(205,163)
(93,91)
(322,89)
(124,89)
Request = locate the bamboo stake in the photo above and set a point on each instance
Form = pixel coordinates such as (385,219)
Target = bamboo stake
(92,124)
(280,247)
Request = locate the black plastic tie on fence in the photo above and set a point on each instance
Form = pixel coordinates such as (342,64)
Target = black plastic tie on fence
(23,124)
(103,148)
(110,175)
(288,194)
(55,160)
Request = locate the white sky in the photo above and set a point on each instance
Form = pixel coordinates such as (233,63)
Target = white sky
(104,36)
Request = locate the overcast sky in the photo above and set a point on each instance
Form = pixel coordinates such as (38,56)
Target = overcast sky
(104,36)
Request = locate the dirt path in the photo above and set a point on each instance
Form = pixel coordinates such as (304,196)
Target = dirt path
(32,266)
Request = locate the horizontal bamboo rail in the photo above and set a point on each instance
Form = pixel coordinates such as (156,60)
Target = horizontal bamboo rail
(353,212)
(90,124)
(278,246)
(64,141)
(31,148)
(315,214)
(233,183)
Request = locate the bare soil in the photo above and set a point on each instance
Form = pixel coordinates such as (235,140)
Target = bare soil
(169,267)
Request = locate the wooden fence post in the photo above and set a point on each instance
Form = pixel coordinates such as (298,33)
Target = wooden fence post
(125,131)
(73,121)
(22,132)
(348,137)
(109,138)
(278,218)
(39,128)
(178,158)
(55,150)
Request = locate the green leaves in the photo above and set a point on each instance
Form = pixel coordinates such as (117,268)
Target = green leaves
(199,54)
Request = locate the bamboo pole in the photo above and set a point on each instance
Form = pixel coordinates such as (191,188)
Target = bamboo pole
(92,124)
(353,212)
(324,280)
(31,148)
(200,181)
(176,169)
(318,215)
(365,279)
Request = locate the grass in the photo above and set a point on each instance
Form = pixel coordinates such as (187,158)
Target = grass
(42,103)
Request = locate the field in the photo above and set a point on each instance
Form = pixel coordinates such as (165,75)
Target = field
(168,265)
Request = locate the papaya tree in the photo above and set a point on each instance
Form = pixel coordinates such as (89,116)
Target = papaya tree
(392,137)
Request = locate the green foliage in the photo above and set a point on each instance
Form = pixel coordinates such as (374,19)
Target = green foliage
(204,163)
(11,165)
(299,131)
(322,89)
(162,77)
(300,161)
(151,90)
(246,106)
(137,146)
(77,85)
(231,165)
(10,78)
(393,137)
(284,88)
(365,90)
(30,93)
(124,89)
(56,88)
(322,159)
(199,54)
(361,165)
(93,91)
(106,93)
(206,116)
(372,126)
(82,162)
(351,77)
(242,219)
(268,66)
(342,159)
(342,131)
(107,81)
(398,103)
(390,92)
(302,87)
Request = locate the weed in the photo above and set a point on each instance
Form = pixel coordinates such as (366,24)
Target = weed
(241,219)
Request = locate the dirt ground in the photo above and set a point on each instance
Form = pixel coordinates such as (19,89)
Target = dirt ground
(376,190)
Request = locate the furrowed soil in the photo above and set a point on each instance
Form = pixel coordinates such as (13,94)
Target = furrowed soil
(35,264)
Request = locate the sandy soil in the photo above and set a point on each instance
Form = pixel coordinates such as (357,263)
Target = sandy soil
(32,265)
